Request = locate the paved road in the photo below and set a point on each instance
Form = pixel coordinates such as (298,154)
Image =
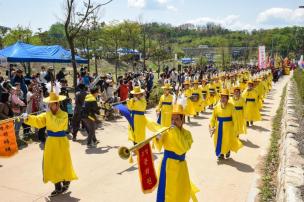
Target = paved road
(103,176)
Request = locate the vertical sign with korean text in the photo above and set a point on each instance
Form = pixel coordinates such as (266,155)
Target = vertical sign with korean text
(8,144)
(146,169)
(262,57)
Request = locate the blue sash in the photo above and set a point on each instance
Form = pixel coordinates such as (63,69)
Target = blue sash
(221,121)
(238,108)
(56,134)
(132,117)
(162,177)
(250,100)
(166,103)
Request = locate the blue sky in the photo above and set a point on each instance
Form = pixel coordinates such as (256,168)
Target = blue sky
(233,14)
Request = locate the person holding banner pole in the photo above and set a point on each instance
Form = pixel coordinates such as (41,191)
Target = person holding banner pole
(174,181)
(57,162)
(164,108)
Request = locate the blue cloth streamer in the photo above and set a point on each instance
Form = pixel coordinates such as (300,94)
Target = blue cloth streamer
(56,134)
(159,118)
(162,177)
(221,121)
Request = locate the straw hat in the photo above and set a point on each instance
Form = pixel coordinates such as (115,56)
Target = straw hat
(178,109)
(137,90)
(236,88)
(167,86)
(53,97)
(186,82)
(225,92)
(250,81)
(195,81)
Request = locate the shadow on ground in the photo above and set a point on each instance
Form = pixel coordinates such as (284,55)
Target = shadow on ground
(249,144)
(238,165)
(66,197)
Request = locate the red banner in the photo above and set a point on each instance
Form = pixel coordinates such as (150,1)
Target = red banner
(147,174)
(8,144)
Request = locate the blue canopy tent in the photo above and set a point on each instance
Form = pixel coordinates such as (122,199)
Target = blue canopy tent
(22,52)
(187,60)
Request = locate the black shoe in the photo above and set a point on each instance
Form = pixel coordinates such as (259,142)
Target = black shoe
(228,155)
(56,192)
(65,186)
(251,122)
(247,123)
(221,157)
(96,143)
(189,119)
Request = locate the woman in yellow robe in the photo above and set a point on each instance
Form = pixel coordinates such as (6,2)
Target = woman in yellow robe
(222,127)
(252,111)
(137,107)
(57,162)
(174,181)
(189,108)
(196,92)
(239,107)
(164,108)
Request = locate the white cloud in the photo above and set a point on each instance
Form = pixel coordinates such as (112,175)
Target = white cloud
(162,1)
(172,8)
(281,17)
(152,4)
(232,22)
(137,3)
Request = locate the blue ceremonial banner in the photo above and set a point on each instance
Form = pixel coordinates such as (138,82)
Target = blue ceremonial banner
(126,113)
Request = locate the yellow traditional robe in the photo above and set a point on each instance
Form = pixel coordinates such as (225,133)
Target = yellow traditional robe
(57,163)
(174,183)
(225,138)
(205,96)
(189,109)
(165,108)
(137,109)
(240,122)
(213,96)
(252,112)
(197,105)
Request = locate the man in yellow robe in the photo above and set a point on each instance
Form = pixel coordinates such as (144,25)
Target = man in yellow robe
(174,181)
(164,108)
(196,98)
(239,106)
(137,107)
(222,127)
(187,93)
(57,162)
(212,94)
(205,95)
(252,111)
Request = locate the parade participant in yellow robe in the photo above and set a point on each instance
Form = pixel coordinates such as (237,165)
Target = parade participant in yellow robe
(164,108)
(137,107)
(212,94)
(218,86)
(197,98)
(239,107)
(259,89)
(252,112)
(187,92)
(222,127)
(174,181)
(57,162)
(205,95)
(243,84)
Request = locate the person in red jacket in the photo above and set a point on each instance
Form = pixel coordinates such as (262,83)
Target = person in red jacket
(123,90)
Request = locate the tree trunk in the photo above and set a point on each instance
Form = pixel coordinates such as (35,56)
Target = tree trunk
(96,70)
(74,65)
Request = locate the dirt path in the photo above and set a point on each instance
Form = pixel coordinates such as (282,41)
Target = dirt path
(103,176)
